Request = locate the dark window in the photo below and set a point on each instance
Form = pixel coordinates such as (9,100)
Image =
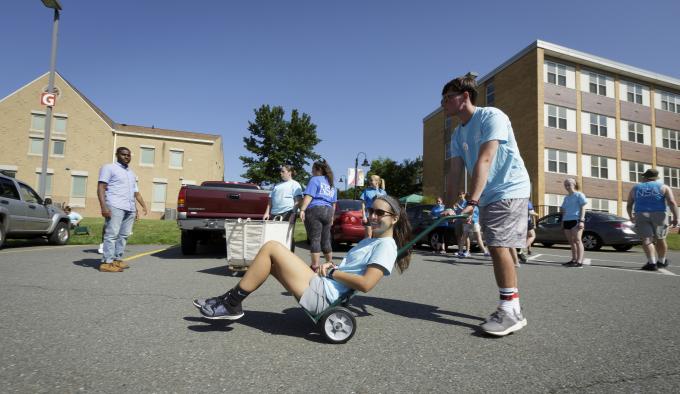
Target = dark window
(8,190)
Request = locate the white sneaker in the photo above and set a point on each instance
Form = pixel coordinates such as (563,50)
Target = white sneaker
(101,249)
(502,323)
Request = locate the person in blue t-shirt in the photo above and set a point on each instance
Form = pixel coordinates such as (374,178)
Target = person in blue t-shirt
(471,228)
(361,269)
(285,196)
(484,144)
(439,245)
(367,196)
(573,221)
(317,211)
(649,199)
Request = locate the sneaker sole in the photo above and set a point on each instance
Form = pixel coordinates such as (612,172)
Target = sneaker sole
(226,317)
(197,305)
(515,327)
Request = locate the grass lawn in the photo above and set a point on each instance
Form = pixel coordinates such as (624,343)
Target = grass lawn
(673,241)
(147,231)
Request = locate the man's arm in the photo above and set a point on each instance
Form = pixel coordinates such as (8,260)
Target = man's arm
(631,202)
(457,174)
(480,174)
(140,200)
(101,193)
(670,200)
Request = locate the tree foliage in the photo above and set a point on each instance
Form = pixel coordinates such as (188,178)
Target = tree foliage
(275,141)
(401,179)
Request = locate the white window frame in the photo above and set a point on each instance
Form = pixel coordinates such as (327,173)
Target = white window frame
(559,160)
(671,177)
(598,82)
(635,171)
(598,165)
(49,177)
(156,204)
(553,203)
(35,115)
(75,199)
(600,125)
(598,204)
(172,151)
(152,149)
(670,139)
(54,144)
(30,146)
(668,102)
(55,118)
(559,114)
(636,132)
(635,93)
(557,70)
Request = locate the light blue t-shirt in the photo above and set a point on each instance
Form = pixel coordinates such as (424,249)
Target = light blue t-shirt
(283,196)
(571,206)
(475,215)
(508,178)
(321,192)
(121,186)
(380,251)
(649,197)
(74,217)
(369,194)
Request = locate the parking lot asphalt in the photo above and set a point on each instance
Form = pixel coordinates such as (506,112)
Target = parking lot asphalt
(66,327)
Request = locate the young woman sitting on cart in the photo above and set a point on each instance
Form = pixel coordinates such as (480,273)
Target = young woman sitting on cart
(362,268)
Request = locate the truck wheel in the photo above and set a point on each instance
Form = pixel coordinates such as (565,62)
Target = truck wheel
(188,243)
(60,235)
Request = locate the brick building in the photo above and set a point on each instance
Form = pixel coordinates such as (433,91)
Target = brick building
(574,115)
(83,138)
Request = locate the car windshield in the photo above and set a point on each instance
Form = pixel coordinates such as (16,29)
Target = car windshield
(606,217)
(348,205)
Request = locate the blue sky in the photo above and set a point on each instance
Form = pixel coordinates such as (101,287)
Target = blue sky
(367,72)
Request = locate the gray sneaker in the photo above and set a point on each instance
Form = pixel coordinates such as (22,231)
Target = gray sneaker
(502,323)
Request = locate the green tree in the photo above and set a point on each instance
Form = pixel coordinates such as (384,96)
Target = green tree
(401,179)
(274,141)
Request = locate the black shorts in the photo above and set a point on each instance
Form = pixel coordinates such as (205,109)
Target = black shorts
(569,224)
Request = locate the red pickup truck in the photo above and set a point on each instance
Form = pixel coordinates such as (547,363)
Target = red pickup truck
(201,210)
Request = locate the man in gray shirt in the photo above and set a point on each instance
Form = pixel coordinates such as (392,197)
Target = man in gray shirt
(117,192)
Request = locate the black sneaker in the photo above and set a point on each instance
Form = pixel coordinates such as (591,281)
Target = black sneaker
(649,267)
(522,257)
(574,264)
(568,263)
(199,302)
(665,264)
(222,310)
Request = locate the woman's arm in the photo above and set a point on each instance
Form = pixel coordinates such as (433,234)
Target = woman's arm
(266,211)
(305,203)
(363,283)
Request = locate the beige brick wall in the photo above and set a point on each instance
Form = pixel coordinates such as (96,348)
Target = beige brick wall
(89,145)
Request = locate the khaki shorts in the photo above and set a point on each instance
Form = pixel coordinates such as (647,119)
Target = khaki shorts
(504,222)
(472,228)
(314,297)
(651,225)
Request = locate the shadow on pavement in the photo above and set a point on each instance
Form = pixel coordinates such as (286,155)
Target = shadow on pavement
(291,322)
(207,251)
(89,263)
(412,310)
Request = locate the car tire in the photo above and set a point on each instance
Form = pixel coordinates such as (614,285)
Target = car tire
(591,241)
(2,235)
(622,248)
(433,240)
(188,243)
(60,235)
(547,244)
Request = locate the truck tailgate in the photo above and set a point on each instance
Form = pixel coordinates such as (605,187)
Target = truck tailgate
(218,202)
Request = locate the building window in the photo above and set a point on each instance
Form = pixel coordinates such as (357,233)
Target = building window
(636,132)
(557,117)
(670,139)
(35,146)
(634,93)
(48,183)
(598,125)
(158,201)
(9,173)
(598,167)
(671,177)
(148,156)
(38,122)
(78,190)
(597,84)
(491,93)
(553,203)
(557,161)
(599,204)
(557,74)
(59,124)
(635,171)
(176,158)
(58,147)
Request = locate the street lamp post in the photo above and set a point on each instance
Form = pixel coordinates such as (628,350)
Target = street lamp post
(54,4)
(356,168)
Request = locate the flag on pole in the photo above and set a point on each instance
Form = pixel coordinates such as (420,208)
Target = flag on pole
(350,177)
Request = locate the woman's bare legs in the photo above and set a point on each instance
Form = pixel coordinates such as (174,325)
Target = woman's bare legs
(531,236)
(577,246)
(277,260)
(570,240)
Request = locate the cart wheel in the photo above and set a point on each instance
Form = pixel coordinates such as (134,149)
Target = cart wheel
(338,325)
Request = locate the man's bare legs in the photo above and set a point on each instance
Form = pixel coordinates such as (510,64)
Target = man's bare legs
(503,267)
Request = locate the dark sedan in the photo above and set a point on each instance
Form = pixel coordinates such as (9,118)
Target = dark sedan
(420,217)
(347,224)
(601,229)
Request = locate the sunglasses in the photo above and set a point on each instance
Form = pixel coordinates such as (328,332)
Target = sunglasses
(379,212)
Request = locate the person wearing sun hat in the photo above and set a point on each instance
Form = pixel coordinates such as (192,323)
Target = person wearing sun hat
(646,208)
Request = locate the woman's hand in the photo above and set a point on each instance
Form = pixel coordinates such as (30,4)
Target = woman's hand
(581,225)
(265,216)
(325,267)
(302,215)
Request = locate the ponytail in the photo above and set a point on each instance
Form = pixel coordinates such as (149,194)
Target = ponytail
(401,233)
(325,170)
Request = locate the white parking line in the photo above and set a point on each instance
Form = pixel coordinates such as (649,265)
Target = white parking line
(590,261)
